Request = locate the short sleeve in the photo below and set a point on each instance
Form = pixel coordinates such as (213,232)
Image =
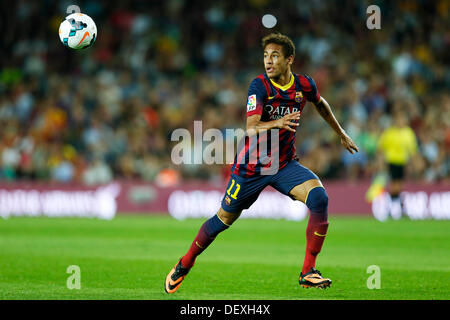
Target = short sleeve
(310,89)
(256,96)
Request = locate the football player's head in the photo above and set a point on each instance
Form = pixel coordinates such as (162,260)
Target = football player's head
(279,52)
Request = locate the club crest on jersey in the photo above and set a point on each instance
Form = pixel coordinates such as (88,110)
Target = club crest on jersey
(298,96)
(227,200)
(251,103)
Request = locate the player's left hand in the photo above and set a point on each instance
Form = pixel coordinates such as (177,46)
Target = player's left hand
(348,143)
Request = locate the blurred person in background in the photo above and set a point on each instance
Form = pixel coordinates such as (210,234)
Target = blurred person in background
(397,143)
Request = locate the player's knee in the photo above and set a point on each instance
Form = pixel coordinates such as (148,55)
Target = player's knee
(227,217)
(317,201)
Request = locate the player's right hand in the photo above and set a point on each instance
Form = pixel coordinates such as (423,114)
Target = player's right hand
(289,120)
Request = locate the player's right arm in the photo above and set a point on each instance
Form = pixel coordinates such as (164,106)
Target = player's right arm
(255,125)
(257,95)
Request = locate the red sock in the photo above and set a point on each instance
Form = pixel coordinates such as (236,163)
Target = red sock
(205,236)
(315,236)
(199,244)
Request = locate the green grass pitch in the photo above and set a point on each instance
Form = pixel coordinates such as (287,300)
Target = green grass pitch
(129,257)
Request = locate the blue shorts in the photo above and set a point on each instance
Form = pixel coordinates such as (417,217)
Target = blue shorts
(241,192)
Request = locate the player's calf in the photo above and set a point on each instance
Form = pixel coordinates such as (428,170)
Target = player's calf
(205,236)
(316,231)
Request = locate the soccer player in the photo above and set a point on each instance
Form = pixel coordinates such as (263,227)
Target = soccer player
(398,143)
(275,102)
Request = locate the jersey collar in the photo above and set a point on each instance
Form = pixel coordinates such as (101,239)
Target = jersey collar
(285,87)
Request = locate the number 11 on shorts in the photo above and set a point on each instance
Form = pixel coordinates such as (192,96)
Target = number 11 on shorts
(238,187)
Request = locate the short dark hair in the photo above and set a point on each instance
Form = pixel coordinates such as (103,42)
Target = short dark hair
(282,40)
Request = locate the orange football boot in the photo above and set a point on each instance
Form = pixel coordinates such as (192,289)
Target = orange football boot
(175,277)
(314,279)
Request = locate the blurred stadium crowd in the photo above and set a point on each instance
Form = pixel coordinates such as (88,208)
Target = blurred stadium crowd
(109,111)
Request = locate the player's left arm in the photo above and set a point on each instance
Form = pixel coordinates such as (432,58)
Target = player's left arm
(324,110)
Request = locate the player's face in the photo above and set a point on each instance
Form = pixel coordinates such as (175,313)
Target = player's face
(275,63)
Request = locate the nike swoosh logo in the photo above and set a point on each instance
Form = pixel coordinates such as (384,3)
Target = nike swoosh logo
(84,37)
(270,98)
(320,235)
(198,245)
(173,284)
(314,277)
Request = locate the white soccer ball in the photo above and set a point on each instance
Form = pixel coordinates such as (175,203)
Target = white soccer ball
(78,31)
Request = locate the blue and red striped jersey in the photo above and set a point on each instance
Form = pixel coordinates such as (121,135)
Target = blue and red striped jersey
(273,101)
